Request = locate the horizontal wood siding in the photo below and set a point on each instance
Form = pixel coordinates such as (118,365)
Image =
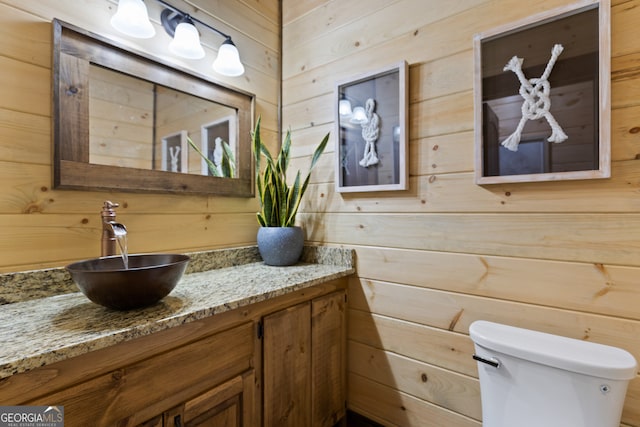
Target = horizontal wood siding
(561,257)
(41,227)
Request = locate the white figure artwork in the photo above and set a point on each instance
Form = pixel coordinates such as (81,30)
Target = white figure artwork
(370,132)
(537,103)
(174,152)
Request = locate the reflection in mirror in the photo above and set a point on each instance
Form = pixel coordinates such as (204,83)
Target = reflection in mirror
(190,116)
(214,136)
(138,124)
(120,119)
(126,122)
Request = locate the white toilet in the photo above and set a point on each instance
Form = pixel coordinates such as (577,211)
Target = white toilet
(534,379)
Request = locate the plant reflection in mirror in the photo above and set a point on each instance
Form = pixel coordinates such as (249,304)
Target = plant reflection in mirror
(227,166)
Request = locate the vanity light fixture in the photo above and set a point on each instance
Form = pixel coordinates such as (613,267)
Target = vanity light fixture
(181,26)
(186,39)
(132,19)
(228,61)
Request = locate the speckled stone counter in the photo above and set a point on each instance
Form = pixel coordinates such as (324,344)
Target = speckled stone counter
(48,324)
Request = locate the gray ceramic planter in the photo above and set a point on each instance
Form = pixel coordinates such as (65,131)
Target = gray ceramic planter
(280,245)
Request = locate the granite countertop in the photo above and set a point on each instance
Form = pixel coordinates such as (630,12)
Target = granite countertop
(40,327)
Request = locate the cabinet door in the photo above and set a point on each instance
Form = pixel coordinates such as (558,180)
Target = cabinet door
(328,359)
(287,367)
(228,405)
(304,363)
(173,417)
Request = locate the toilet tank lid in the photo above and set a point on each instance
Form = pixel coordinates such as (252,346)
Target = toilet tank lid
(570,354)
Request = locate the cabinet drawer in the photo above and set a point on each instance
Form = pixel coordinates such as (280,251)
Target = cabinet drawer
(137,392)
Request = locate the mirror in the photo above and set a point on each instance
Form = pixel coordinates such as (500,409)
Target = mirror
(123,121)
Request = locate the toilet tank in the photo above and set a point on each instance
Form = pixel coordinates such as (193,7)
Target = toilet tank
(533,379)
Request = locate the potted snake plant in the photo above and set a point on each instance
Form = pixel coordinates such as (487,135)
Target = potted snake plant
(280,241)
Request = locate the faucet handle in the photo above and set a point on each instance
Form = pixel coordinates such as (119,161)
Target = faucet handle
(107,208)
(108,204)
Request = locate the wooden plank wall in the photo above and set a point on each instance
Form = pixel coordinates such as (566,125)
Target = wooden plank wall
(561,257)
(40,227)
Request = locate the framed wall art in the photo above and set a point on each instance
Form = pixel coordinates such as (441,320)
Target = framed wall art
(371,129)
(174,152)
(542,97)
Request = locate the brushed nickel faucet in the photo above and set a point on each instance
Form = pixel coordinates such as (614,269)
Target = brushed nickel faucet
(110,228)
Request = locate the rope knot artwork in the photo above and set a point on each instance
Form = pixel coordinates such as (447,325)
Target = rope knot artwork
(537,103)
(370,132)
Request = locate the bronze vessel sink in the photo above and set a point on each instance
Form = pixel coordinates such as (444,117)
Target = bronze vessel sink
(149,278)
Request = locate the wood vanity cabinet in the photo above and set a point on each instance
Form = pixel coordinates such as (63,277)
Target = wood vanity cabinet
(210,371)
(188,377)
(304,363)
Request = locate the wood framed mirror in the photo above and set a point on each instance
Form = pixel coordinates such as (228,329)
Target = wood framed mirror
(542,97)
(121,119)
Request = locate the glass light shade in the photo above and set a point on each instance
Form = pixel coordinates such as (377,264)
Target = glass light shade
(228,61)
(359,116)
(186,42)
(344,107)
(132,19)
